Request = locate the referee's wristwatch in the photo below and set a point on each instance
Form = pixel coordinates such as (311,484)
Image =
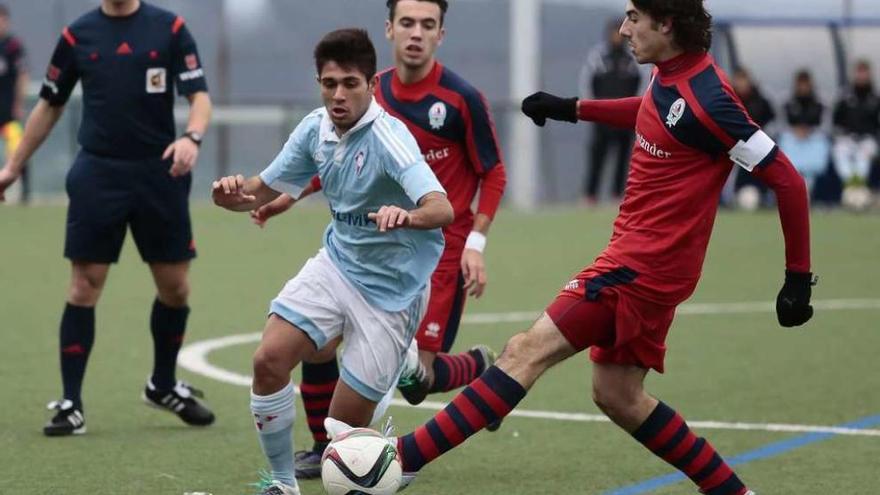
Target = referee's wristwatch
(194,137)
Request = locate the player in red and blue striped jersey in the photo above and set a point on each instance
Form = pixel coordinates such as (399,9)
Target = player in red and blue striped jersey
(691,129)
(453,126)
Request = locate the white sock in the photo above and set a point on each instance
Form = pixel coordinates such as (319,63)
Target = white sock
(273,416)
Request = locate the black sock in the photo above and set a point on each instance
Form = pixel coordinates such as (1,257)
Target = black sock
(168,326)
(77,336)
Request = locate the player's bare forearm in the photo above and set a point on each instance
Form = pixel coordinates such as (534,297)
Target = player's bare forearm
(279,205)
(235,193)
(274,208)
(482,222)
(434,211)
(199,112)
(40,123)
(21,85)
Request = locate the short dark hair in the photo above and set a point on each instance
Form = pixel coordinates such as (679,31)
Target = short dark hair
(803,75)
(443,4)
(349,48)
(691,23)
(4,10)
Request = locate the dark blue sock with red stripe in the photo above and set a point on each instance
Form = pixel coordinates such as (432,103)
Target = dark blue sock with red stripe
(168,326)
(452,371)
(666,434)
(318,383)
(486,400)
(77,336)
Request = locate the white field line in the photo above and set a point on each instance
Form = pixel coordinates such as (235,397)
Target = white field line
(688,309)
(194,357)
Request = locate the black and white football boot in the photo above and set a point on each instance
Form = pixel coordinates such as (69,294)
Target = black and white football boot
(68,420)
(182,400)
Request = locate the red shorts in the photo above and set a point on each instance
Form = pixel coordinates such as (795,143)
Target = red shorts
(440,325)
(597,310)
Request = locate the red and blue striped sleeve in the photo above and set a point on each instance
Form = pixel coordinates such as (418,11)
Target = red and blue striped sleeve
(481,141)
(719,110)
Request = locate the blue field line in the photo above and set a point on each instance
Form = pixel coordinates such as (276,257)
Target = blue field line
(770,450)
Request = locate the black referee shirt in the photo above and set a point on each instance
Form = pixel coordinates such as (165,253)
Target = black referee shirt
(129,67)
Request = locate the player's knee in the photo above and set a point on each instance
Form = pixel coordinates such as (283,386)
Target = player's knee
(513,349)
(85,290)
(269,367)
(175,295)
(615,401)
(521,352)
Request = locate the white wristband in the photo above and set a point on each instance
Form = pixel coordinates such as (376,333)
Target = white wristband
(475,241)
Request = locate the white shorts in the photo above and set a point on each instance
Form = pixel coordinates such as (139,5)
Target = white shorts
(323,304)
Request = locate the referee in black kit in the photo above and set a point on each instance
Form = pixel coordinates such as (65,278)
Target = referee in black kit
(133,170)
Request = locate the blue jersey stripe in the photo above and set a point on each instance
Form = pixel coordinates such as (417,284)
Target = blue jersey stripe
(719,105)
(686,128)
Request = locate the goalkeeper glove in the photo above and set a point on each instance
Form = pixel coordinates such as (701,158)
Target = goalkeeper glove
(542,106)
(793,302)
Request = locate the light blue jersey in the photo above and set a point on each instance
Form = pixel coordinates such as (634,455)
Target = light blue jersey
(376,163)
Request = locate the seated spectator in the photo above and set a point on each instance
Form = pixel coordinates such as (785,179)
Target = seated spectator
(809,150)
(761,111)
(804,108)
(856,123)
(804,142)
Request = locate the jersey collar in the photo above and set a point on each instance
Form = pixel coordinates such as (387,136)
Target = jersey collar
(683,66)
(418,89)
(328,130)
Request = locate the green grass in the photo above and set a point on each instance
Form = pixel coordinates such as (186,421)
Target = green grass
(739,367)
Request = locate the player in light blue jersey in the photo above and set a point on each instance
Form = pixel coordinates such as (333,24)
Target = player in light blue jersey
(369,284)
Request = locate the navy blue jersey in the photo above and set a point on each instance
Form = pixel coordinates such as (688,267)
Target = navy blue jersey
(129,67)
(12,63)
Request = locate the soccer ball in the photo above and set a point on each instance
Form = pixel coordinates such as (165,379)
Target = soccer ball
(360,461)
(748,198)
(856,198)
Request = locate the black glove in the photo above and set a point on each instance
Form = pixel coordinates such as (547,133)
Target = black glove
(793,302)
(542,106)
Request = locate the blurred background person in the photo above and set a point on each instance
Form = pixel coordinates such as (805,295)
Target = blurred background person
(761,111)
(804,141)
(856,123)
(13,87)
(609,72)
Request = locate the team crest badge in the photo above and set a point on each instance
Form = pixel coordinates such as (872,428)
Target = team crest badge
(437,115)
(676,112)
(192,62)
(156,80)
(359,160)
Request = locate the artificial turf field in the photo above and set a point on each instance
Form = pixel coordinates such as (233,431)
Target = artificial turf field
(727,363)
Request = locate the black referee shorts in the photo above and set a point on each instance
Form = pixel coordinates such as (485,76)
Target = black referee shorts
(109,194)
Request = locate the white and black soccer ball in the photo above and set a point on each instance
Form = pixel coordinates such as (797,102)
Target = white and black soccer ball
(748,198)
(856,198)
(361,462)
